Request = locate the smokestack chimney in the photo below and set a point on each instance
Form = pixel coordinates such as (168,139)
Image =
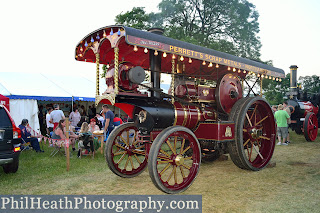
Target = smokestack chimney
(155,30)
(155,65)
(293,81)
(293,76)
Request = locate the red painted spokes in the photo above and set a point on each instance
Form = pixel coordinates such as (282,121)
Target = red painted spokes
(259,134)
(178,160)
(128,155)
(311,127)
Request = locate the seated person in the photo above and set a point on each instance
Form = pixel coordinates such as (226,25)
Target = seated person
(86,138)
(93,126)
(72,137)
(116,120)
(99,120)
(27,137)
(59,133)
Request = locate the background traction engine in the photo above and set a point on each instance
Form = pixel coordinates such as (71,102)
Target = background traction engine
(304,113)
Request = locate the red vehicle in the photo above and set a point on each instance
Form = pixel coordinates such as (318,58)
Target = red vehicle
(203,115)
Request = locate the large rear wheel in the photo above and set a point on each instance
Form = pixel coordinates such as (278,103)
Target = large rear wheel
(255,134)
(125,156)
(174,159)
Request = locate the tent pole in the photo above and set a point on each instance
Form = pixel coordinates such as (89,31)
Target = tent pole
(72,104)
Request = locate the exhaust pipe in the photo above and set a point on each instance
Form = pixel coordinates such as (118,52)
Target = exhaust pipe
(155,66)
(293,81)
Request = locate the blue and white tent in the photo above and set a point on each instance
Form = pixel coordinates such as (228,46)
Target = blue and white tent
(25,89)
(47,87)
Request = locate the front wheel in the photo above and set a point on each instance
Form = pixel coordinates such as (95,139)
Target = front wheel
(174,159)
(125,155)
(255,134)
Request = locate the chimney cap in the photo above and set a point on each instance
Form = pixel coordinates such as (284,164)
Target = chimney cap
(293,67)
(156,30)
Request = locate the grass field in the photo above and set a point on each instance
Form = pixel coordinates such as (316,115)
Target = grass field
(292,186)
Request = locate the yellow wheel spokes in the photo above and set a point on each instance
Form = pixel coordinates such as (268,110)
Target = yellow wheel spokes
(185,150)
(165,168)
(134,159)
(182,146)
(172,164)
(165,153)
(121,158)
(182,172)
(118,145)
(170,146)
(265,138)
(137,158)
(262,120)
(254,112)
(124,141)
(120,153)
(247,116)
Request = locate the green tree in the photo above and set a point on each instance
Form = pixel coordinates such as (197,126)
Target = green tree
(275,91)
(310,84)
(226,25)
(139,19)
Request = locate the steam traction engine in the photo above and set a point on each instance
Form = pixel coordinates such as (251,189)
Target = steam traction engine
(304,113)
(203,115)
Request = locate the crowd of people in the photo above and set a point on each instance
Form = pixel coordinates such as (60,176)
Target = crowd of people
(81,127)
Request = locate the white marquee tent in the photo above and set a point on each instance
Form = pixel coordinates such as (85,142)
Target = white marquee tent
(25,89)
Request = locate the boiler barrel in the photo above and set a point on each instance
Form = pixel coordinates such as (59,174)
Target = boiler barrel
(156,114)
(299,109)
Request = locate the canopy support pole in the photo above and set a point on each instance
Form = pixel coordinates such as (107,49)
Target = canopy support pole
(261,86)
(67,144)
(116,69)
(98,73)
(172,80)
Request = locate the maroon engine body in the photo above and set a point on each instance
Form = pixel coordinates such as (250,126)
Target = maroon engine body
(197,109)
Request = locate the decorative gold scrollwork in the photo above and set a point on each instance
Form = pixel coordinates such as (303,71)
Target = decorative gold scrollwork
(109,97)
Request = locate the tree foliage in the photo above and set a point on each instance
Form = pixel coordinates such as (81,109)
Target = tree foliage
(136,18)
(226,25)
(275,91)
(310,84)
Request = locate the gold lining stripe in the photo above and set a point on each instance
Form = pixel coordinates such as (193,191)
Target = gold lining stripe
(175,114)
(199,115)
(185,116)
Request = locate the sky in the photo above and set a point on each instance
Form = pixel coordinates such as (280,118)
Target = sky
(40,36)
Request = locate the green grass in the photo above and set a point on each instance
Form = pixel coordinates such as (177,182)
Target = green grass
(292,186)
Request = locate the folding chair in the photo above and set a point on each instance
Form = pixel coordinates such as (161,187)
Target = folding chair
(57,149)
(60,150)
(87,152)
(25,145)
(87,149)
